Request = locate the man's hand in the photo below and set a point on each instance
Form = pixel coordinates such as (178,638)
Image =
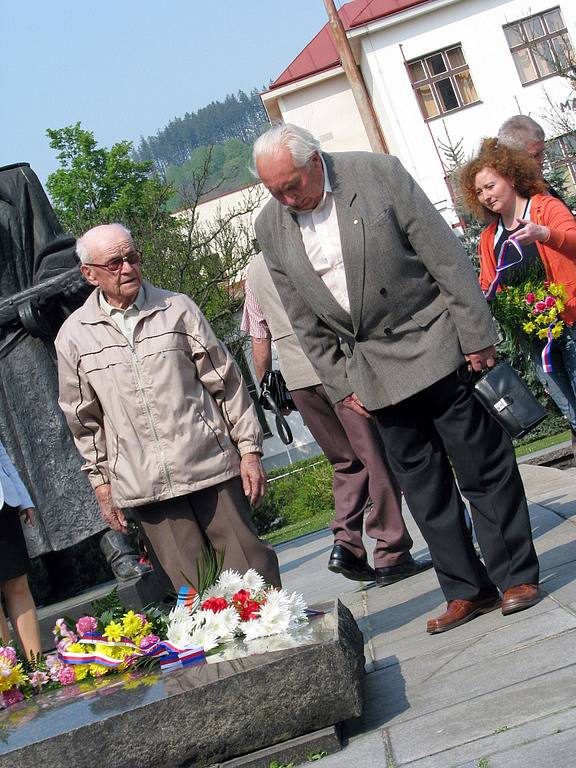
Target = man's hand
(355,404)
(253,477)
(29,515)
(485,358)
(530,232)
(113,515)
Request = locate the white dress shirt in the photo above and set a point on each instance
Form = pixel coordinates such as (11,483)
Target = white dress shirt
(12,489)
(321,237)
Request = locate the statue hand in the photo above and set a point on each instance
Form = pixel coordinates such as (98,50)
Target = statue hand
(113,515)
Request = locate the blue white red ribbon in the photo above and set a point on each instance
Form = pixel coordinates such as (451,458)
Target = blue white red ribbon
(547,351)
(501,266)
(169,655)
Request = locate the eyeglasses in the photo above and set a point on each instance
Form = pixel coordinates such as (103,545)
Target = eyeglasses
(114,265)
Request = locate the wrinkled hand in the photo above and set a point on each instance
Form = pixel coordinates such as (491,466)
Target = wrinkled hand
(355,404)
(29,515)
(530,232)
(253,477)
(113,515)
(485,358)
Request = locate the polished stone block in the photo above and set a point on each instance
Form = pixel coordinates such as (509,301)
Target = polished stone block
(247,697)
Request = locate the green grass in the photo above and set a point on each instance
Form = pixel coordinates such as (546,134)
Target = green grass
(299,528)
(543,442)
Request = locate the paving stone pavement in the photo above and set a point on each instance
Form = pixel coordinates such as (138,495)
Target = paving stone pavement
(498,692)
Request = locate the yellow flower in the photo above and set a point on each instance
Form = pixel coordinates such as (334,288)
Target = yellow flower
(553,314)
(113,631)
(76,648)
(542,333)
(81,671)
(97,670)
(541,320)
(557,330)
(529,327)
(131,623)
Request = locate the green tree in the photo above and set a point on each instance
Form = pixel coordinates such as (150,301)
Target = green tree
(95,185)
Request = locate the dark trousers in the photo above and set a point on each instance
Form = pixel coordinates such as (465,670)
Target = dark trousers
(423,434)
(353,446)
(178,529)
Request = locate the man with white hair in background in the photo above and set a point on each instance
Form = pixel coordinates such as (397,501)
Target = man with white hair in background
(161,415)
(388,309)
(523,133)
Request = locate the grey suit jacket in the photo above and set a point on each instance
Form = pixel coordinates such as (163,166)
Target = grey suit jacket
(415,302)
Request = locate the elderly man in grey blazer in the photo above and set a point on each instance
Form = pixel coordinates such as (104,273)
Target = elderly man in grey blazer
(388,309)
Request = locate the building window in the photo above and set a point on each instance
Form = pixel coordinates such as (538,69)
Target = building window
(442,82)
(540,46)
(562,152)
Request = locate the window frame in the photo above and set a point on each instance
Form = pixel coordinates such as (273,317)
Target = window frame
(528,44)
(450,73)
(567,156)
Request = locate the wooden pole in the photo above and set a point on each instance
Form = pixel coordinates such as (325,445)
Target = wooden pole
(355,80)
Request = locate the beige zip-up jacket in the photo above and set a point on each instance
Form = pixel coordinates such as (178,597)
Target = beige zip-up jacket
(167,417)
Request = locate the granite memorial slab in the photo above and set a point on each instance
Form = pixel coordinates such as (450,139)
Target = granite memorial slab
(246,697)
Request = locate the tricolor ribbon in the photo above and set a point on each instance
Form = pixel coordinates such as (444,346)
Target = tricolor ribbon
(169,655)
(547,351)
(501,266)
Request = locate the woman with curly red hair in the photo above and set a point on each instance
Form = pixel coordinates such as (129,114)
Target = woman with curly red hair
(504,187)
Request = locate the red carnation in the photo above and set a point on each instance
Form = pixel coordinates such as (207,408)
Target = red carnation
(550,301)
(241,596)
(530,298)
(248,610)
(214,604)
(546,283)
(540,306)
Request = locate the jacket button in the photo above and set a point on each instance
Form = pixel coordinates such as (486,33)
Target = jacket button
(388,331)
(383,291)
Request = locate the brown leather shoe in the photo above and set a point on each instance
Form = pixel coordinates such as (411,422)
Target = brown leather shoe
(459,612)
(519,598)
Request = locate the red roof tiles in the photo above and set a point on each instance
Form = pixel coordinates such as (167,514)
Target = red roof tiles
(320,54)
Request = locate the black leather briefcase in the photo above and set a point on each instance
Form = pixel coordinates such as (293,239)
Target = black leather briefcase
(507,398)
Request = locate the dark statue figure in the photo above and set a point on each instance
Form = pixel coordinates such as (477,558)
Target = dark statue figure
(40,285)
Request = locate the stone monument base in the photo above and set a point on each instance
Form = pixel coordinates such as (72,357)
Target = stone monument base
(248,697)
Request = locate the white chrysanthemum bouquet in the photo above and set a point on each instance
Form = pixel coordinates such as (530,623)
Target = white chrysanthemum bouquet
(233,606)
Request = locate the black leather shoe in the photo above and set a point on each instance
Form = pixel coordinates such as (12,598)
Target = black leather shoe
(344,562)
(386,576)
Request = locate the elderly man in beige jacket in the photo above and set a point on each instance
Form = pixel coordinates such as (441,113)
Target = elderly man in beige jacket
(161,415)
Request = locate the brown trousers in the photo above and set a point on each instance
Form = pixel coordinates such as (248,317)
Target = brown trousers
(353,446)
(178,529)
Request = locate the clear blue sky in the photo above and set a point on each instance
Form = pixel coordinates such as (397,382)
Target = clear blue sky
(125,68)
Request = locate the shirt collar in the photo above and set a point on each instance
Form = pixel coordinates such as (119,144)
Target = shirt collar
(138,303)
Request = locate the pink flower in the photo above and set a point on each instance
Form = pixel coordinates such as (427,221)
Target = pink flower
(62,628)
(550,301)
(12,696)
(142,618)
(67,676)
(546,283)
(9,654)
(540,306)
(149,641)
(38,678)
(86,624)
(530,298)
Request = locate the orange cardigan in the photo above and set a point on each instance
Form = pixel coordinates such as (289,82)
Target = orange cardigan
(558,253)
